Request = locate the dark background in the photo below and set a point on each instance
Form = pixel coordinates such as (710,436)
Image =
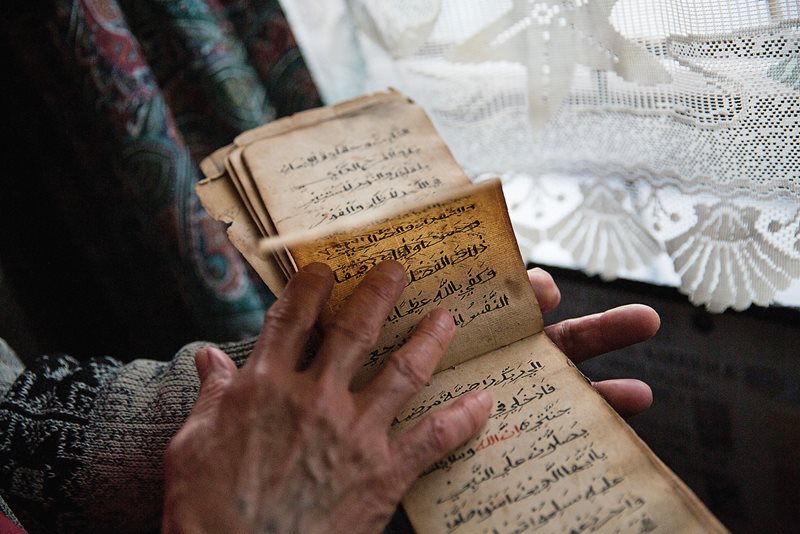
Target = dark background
(726,387)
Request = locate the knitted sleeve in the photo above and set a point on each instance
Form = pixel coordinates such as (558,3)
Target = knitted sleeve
(81,443)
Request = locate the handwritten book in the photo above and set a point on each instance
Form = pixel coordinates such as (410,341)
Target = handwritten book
(370,180)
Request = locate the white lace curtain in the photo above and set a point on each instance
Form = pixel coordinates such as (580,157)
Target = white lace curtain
(655,140)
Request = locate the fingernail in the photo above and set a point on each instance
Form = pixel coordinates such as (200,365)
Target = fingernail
(546,281)
(392,269)
(317,268)
(442,318)
(217,359)
(201,358)
(484,399)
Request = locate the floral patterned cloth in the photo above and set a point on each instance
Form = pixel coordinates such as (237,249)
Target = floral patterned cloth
(135,94)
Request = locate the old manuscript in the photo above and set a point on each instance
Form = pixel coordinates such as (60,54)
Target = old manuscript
(370,180)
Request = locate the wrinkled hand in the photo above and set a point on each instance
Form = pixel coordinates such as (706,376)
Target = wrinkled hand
(592,335)
(269,448)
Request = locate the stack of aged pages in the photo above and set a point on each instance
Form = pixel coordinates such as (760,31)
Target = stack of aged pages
(369,180)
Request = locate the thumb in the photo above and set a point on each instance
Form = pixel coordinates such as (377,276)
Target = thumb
(215,370)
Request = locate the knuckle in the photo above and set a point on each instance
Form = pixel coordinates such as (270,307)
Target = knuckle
(260,377)
(379,288)
(472,418)
(438,433)
(356,331)
(436,335)
(565,335)
(280,316)
(410,373)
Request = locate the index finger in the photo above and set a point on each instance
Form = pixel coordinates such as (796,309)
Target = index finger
(354,329)
(290,320)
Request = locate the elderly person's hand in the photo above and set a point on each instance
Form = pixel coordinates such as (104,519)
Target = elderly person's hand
(269,448)
(272,448)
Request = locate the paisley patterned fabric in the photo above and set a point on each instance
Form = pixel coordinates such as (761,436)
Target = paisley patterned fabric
(138,92)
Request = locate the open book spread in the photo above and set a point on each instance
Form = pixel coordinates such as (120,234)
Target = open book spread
(370,180)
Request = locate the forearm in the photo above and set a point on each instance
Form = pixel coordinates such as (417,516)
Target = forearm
(82,443)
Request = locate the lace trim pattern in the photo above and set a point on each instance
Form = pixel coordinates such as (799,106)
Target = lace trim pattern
(655,140)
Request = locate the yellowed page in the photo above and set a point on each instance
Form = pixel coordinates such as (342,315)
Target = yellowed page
(460,255)
(553,458)
(351,159)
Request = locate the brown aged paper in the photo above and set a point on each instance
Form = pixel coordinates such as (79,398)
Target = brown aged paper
(554,457)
